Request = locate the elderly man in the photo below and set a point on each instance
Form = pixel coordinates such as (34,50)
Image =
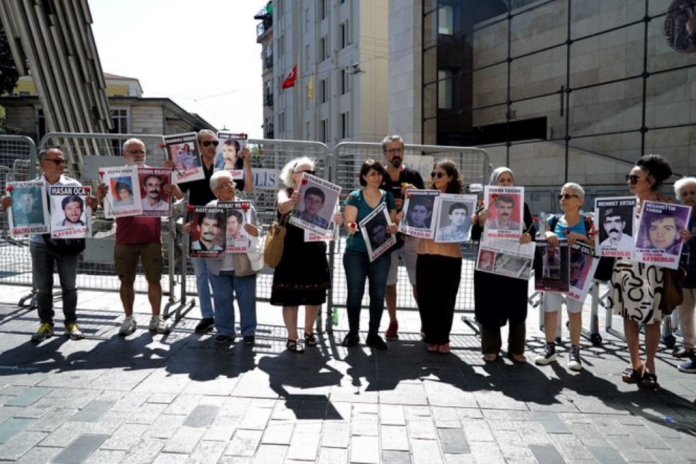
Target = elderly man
(44,258)
(685,190)
(153,194)
(400,178)
(138,238)
(200,195)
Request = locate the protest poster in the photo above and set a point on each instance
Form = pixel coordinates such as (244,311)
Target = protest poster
(583,264)
(28,214)
(552,272)
(419,213)
(230,153)
(658,240)
(183,150)
(318,198)
(237,214)
(207,237)
(325,237)
(374,231)
(155,201)
(506,206)
(507,258)
(454,217)
(70,215)
(123,196)
(615,219)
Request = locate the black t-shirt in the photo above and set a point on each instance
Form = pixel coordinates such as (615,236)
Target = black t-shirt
(408,176)
(201,194)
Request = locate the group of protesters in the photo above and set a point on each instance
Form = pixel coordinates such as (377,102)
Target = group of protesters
(303,276)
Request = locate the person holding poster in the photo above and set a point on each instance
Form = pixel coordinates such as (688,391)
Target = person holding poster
(492,307)
(302,276)
(138,238)
(685,189)
(47,254)
(356,261)
(398,180)
(438,271)
(571,226)
(636,288)
(235,158)
(200,195)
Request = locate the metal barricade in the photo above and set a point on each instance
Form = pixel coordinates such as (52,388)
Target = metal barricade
(474,167)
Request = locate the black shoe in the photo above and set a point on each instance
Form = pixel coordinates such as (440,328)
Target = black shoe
(249,340)
(350,340)
(221,339)
(206,325)
(376,342)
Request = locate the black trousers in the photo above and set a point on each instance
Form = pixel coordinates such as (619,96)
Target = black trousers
(437,284)
(491,341)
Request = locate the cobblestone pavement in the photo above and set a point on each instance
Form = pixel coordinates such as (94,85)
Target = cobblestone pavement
(177,398)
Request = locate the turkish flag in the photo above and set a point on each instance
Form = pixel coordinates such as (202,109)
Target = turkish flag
(290,80)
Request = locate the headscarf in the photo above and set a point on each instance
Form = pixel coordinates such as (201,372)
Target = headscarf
(497,172)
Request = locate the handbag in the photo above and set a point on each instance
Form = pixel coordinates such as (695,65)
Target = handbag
(673,291)
(255,253)
(275,241)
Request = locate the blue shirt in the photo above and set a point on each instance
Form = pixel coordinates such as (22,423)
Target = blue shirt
(561,226)
(356,242)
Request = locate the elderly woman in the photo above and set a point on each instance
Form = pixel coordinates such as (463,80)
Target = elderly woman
(636,288)
(232,276)
(492,307)
(571,226)
(302,276)
(438,271)
(685,190)
(359,204)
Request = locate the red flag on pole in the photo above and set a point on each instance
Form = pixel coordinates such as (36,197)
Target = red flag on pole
(290,80)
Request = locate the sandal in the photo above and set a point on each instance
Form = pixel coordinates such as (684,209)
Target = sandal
(630,375)
(648,381)
(517,358)
(294,346)
(433,348)
(491,357)
(444,349)
(310,339)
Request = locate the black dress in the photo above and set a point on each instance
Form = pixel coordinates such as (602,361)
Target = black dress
(497,298)
(303,276)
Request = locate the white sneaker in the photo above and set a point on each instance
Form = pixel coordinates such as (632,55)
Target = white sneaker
(127,327)
(547,357)
(159,325)
(574,362)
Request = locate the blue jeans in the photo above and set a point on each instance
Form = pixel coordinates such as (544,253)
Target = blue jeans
(202,284)
(358,268)
(42,263)
(225,287)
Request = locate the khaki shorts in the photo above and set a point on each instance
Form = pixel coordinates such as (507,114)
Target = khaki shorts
(126,260)
(409,255)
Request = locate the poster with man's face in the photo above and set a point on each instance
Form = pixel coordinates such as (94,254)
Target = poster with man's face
(207,237)
(419,213)
(183,150)
(454,218)
(374,231)
(659,240)
(506,208)
(28,214)
(155,201)
(554,274)
(70,216)
(230,153)
(236,216)
(614,218)
(582,268)
(123,195)
(318,199)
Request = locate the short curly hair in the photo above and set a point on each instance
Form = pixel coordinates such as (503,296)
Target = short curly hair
(658,167)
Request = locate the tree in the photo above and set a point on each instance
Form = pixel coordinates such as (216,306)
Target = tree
(8,70)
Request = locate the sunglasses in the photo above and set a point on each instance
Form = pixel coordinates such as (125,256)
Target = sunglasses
(208,143)
(307,171)
(57,161)
(393,151)
(567,196)
(437,175)
(633,179)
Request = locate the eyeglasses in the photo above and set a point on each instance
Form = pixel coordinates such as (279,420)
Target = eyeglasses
(633,179)
(307,171)
(438,175)
(208,143)
(57,161)
(393,151)
(136,152)
(567,196)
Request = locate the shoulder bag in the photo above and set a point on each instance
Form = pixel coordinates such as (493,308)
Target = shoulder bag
(275,240)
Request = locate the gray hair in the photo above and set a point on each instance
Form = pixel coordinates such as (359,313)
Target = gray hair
(44,152)
(681,183)
(499,172)
(389,139)
(579,191)
(203,132)
(289,170)
(217,175)
(133,140)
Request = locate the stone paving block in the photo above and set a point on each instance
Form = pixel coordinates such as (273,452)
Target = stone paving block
(394,437)
(256,418)
(79,400)
(304,444)
(453,441)
(646,437)
(533,432)
(417,412)
(184,440)
(235,460)
(34,411)
(477,430)
(630,449)
(365,425)
(336,435)
(588,435)
(396,457)
(202,416)
(552,422)
(426,452)
(571,447)
(52,420)
(391,414)
(130,402)
(158,397)
(221,429)
(183,404)
(278,433)
(488,453)
(125,437)
(333,456)
(244,443)
(106,457)
(500,424)
(39,454)
(144,451)
(19,444)
(206,452)
(29,396)
(460,459)
(364,450)
(12,427)
(165,426)
(469,413)
(404,393)
(92,411)
(167,458)
(271,454)
(606,455)
(146,414)
(422,429)
(78,451)
(446,417)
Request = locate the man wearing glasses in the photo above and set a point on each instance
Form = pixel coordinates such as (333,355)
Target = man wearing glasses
(200,195)
(44,259)
(398,180)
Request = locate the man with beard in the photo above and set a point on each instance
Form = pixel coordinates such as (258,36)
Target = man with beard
(614,225)
(460,222)
(72,208)
(505,205)
(153,194)
(398,179)
(210,228)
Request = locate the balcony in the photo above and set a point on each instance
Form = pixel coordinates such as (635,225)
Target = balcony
(268,62)
(269,131)
(266,17)
(268,99)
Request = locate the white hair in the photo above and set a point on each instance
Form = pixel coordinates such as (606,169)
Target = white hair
(579,191)
(217,175)
(289,170)
(203,132)
(133,140)
(681,183)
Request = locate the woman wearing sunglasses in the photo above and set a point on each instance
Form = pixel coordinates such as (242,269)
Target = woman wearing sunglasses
(636,288)
(570,226)
(493,307)
(302,276)
(438,271)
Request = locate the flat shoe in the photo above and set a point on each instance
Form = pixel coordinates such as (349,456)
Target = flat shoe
(517,358)
(433,348)
(490,357)
(444,349)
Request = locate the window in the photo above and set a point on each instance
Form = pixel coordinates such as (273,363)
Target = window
(324,89)
(445,20)
(345,84)
(119,118)
(308,132)
(323,48)
(324,130)
(41,128)
(323,9)
(343,35)
(281,123)
(281,46)
(444,89)
(345,133)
